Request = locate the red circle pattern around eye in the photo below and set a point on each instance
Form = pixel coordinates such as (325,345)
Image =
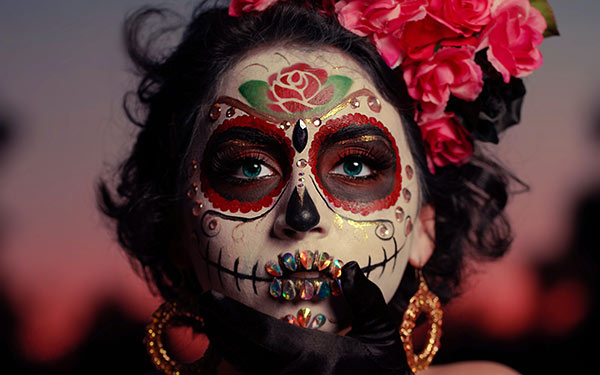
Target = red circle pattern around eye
(235,205)
(332,126)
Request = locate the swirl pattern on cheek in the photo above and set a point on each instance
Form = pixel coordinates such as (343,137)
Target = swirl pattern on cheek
(395,171)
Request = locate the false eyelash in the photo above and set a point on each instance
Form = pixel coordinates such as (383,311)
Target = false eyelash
(225,162)
(376,157)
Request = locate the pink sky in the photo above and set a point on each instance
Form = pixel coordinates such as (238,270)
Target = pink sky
(63,74)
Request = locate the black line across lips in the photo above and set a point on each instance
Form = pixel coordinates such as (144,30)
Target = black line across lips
(221,269)
(305,275)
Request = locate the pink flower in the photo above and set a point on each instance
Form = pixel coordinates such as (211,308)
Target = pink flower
(449,71)
(513,37)
(381,21)
(238,7)
(463,16)
(419,39)
(298,88)
(446,141)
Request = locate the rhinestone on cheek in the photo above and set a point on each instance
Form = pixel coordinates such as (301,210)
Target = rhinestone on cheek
(197,209)
(409,172)
(316,122)
(374,104)
(355,103)
(192,191)
(230,112)
(193,168)
(409,225)
(215,112)
(399,214)
(406,194)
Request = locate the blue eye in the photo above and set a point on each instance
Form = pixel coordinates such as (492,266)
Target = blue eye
(252,168)
(352,168)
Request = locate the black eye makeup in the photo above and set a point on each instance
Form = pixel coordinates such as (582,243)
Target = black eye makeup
(244,167)
(356,163)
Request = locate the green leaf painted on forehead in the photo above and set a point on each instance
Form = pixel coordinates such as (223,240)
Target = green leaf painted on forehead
(289,99)
(255,93)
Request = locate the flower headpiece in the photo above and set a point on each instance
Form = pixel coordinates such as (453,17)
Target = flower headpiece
(462,60)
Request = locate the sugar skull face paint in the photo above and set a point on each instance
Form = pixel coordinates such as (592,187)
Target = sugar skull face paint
(296,176)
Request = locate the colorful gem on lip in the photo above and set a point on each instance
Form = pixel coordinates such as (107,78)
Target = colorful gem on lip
(289,291)
(317,321)
(336,287)
(324,260)
(307,290)
(273,269)
(275,288)
(323,289)
(307,259)
(304,317)
(291,319)
(289,262)
(336,268)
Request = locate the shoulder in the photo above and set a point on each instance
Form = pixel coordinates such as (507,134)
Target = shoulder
(470,368)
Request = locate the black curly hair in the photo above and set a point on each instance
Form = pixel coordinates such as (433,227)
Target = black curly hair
(175,94)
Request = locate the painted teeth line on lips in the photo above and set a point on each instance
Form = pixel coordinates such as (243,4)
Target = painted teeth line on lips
(289,288)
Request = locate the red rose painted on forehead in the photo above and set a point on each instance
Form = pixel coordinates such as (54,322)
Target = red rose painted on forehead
(298,88)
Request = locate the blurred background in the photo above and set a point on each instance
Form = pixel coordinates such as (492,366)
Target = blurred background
(69,301)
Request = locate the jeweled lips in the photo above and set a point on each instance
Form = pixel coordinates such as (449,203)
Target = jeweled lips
(306,275)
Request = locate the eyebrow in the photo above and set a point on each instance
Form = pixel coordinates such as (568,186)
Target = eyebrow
(246,136)
(365,132)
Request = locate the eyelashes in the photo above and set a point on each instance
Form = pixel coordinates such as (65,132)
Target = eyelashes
(362,163)
(243,166)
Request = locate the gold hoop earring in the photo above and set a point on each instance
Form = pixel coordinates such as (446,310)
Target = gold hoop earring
(154,339)
(423,301)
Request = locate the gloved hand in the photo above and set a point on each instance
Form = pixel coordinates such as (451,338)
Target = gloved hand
(257,343)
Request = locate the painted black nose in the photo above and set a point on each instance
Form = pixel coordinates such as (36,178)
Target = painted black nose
(301,213)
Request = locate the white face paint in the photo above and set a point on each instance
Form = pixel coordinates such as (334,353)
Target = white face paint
(340,181)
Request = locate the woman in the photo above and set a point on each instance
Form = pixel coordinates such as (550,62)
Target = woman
(282,175)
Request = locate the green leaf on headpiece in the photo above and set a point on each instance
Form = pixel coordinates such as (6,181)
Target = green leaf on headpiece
(546,10)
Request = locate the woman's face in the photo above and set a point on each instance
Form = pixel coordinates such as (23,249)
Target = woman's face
(302,166)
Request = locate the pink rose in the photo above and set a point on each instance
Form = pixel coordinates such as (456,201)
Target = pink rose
(449,71)
(418,40)
(381,21)
(513,37)
(446,141)
(298,88)
(463,16)
(238,7)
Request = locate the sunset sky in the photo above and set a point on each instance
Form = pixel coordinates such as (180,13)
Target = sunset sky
(62,76)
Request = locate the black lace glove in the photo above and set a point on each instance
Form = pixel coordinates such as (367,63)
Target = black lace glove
(260,344)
